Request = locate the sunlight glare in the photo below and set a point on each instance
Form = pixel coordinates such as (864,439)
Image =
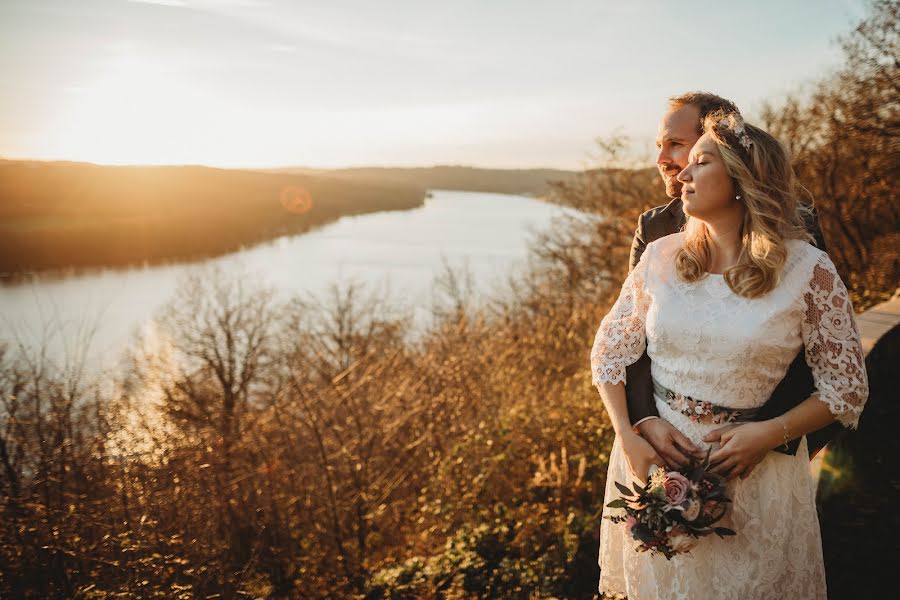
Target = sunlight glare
(137,111)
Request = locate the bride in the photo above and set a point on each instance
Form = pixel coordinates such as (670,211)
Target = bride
(722,309)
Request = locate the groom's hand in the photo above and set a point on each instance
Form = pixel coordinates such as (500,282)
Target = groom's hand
(672,445)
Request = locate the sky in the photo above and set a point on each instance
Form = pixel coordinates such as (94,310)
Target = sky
(491,83)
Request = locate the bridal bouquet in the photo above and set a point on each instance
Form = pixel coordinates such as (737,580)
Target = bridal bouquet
(674,510)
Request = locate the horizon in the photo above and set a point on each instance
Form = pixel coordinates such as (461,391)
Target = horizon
(269,84)
(286,167)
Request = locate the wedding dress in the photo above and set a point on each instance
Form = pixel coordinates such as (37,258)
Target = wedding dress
(708,343)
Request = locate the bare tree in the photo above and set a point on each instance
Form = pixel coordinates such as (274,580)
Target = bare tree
(220,328)
(346,418)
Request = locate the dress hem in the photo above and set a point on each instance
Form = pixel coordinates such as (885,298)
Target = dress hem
(612,594)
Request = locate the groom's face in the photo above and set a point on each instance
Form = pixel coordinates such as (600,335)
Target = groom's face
(678,131)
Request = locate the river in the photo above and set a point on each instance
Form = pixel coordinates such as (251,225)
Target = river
(402,251)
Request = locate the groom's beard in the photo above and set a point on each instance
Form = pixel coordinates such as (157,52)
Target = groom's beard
(673,186)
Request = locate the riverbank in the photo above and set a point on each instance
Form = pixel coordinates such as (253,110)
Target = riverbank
(58,215)
(519,182)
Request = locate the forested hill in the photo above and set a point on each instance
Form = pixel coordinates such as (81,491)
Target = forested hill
(533,182)
(64,214)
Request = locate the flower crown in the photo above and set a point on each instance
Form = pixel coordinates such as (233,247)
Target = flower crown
(734,122)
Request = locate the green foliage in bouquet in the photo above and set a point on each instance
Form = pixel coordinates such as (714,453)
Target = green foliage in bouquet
(674,510)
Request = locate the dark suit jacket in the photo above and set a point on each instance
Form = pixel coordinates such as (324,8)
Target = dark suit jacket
(797,384)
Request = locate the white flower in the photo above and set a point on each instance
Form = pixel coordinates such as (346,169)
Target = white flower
(682,542)
(735,123)
(656,475)
(692,511)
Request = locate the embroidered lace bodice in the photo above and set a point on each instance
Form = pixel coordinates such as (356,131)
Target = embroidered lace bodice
(709,343)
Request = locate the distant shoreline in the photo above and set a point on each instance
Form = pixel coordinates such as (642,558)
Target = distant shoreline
(70,216)
(521,182)
(66,271)
(65,218)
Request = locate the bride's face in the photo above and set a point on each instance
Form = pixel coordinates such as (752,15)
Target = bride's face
(706,188)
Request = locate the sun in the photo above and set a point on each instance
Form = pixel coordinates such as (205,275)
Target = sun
(136,111)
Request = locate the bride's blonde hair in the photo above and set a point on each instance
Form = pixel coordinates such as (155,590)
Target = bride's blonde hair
(763,178)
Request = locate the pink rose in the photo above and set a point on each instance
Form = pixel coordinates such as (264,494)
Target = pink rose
(711,508)
(676,486)
(630,522)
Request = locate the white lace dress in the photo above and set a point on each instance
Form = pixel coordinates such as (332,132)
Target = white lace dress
(706,342)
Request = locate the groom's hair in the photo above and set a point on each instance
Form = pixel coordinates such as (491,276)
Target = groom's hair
(707,104)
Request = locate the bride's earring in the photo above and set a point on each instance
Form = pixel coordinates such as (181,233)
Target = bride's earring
(737,197)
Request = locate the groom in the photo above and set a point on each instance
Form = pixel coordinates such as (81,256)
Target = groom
(679,128)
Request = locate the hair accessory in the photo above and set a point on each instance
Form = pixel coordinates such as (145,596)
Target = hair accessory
(735,123)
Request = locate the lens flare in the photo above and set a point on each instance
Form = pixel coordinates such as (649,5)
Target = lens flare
(296,200)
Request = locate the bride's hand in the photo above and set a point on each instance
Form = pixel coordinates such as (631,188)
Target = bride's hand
(742,447)
(640,455)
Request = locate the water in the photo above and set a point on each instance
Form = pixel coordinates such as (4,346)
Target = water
(402,251)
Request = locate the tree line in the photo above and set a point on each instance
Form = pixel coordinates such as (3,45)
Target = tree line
(58,215)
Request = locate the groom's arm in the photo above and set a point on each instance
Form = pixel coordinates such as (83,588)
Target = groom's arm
(639,386)
(638,244)
(796,387)
(639,391)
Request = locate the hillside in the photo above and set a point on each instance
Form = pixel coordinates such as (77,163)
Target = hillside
(530,182)
(63,214)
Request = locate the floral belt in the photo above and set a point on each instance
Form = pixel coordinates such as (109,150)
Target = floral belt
(701,411)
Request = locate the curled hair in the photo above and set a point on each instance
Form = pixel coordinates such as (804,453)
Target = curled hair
(760,168)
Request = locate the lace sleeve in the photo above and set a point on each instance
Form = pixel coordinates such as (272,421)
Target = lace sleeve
(833,349)
(621,338)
